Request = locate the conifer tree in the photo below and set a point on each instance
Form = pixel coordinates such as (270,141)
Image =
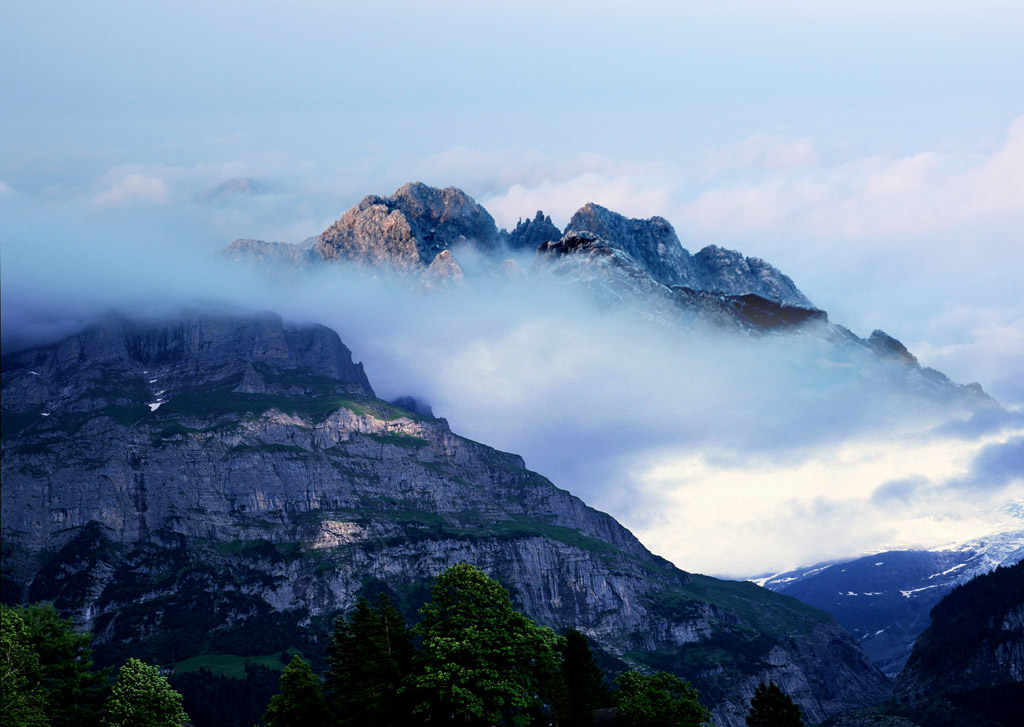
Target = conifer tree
(771,707)
(74,689)
(300,703)
(582,683)
(370,662)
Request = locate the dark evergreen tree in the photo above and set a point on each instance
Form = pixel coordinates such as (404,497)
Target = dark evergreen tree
(215,700)
(300,703)
(370,663)
(771,707)
(658,700)
(582,688)
(62,683)
(75,691)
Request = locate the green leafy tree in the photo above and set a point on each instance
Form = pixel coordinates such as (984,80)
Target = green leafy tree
(74,690)
(300,702)
(658,700)
(370,664)
(143,698)
(583,687)
(483,662)
(771,707)
(22,698)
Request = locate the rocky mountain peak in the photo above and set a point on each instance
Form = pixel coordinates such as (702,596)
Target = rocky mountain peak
(443,271)
(530,234)
(728,271)
(652,243)
(156,359)
(407,230)
(888,346)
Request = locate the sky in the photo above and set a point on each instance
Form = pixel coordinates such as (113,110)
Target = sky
(874,152)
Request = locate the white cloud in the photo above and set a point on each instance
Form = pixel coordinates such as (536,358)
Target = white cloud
(691,509)
(133,189)
(874,196)
(763,151)
(5,189)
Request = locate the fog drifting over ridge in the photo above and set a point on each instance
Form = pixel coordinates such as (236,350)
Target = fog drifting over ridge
(726,454)
(873,152)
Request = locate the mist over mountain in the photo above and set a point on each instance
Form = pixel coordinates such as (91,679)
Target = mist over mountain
(673,400)
(227,484)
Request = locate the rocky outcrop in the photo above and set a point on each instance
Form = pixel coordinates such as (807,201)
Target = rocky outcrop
(885,345)
(654,246)
(719,270)
(529,234)
(614,277)
(443,272)
(228,485)
(406,231)
(975,640)
(652,243)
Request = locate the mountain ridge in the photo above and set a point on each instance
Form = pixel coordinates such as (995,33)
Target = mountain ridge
(262,496)
(884,599)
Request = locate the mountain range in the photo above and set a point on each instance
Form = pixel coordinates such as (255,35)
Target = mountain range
(219,482)
(885,599)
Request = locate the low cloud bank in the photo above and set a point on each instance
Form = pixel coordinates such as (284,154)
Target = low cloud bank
(702,442)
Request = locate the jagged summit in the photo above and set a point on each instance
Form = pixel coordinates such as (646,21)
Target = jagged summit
(652,243)
(531,234)
(726,271)
(407,230)
(886,345)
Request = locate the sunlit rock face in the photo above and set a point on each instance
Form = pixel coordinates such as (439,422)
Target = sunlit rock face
(407,230)
(219,482)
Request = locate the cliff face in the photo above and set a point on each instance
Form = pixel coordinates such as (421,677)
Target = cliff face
(652,243)
(407,230)
(228,485)
(975,640)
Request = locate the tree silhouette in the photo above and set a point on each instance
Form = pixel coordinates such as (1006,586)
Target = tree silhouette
(583,684)
(370,658)
(300,702)
(771,707)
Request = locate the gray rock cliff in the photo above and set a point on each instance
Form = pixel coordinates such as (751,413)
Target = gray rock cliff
(652,243)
